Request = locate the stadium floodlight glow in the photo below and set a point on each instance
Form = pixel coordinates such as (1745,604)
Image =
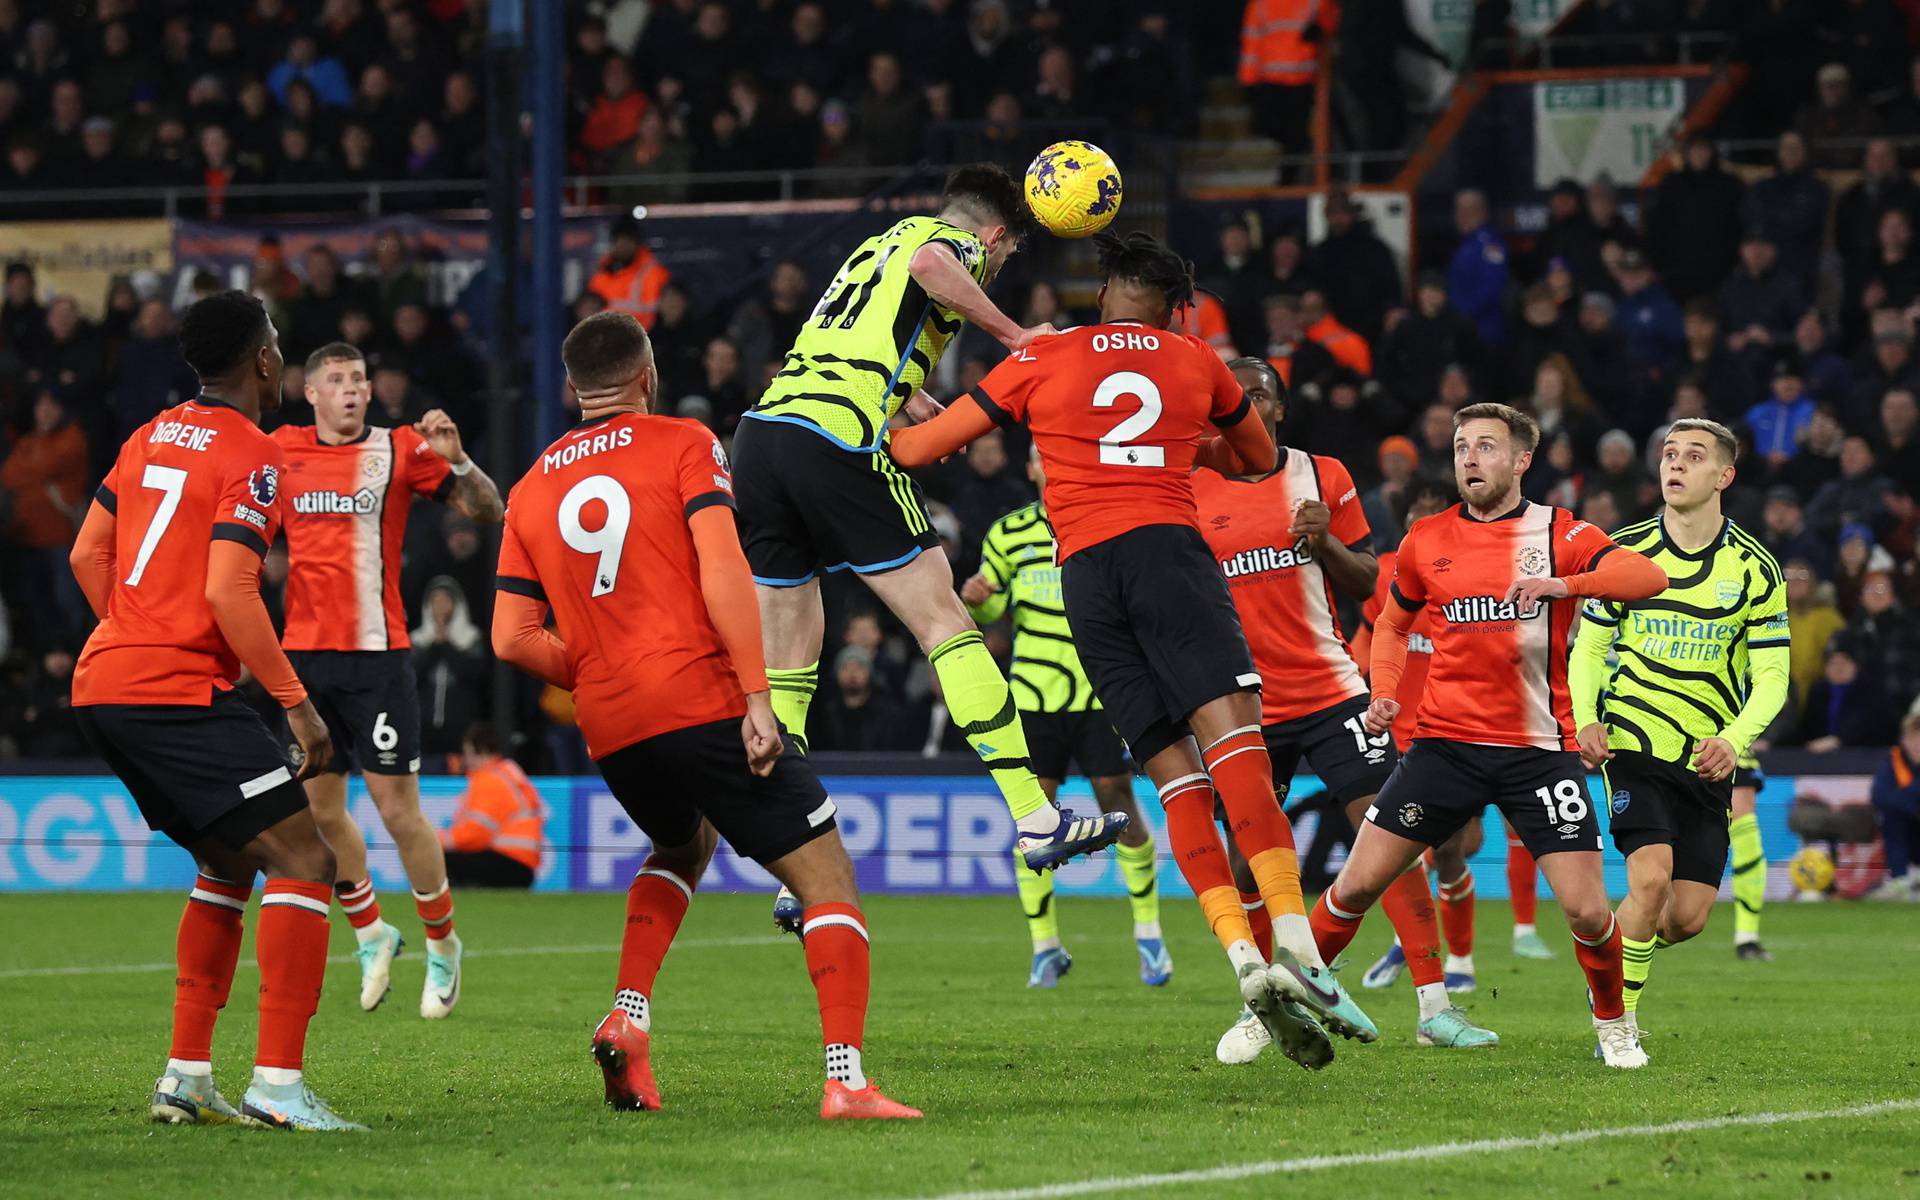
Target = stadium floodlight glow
(639,212)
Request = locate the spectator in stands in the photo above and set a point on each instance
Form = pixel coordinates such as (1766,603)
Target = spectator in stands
(855,717)
(890,118)
(1858,495)
(151,375)
(1887,633)
(396,401)
(46,728)
(1570,235)
(1856,220)
(1835,115)
(1897,448)
(1889,366)
(630,278)
(1056,95)
(394,280)
(23,319)
(723,382)
(1829,376)
(451,667)
(1399,461)
(462,126)
(1559,402)
(1237,278)
(1779,420)
(1812,620)
(764,326)
(615,115)
(1606,363)
(1478,271)
(499,822)
(1280,46)
(314,318)
(323,72)
(1436,440)
(1649,317)
(1759,302)
(1892,276)
(1343,418)
(1319,324)
(1895,794)
(1421,342)
(1620,472)
(1791,206)
(1848,705)
(413,61)
(44,480)
(1784,531)
(216,170)
(808,56)
(1694,222)
(986,489)
(72,358)
(1287,273)
(1299,360)
(1355,268)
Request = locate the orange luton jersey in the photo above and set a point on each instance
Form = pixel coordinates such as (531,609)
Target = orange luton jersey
(1498,674)
(199,472)
(346,520)
(1118,412)
(598,530)
(1282,593)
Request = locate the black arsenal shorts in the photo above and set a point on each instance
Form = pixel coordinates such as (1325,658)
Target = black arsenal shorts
(197,772)
(1057,740)
(1656,803)
(1749,777)
(668,782)
(1440,785)
(1156,630)
(1352,762)
(370,701)
(808,505)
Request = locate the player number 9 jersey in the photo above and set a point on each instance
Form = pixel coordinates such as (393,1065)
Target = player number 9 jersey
(598,529)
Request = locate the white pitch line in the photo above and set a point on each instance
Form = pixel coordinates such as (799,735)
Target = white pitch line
(1322,1162)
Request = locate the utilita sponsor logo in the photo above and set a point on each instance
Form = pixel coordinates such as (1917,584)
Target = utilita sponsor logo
(1485,610)
(1263,559)
(338,503)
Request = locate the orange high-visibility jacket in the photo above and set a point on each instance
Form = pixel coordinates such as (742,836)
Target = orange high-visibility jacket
(501,812)
(1348,348)
(1274,44)
(634,288)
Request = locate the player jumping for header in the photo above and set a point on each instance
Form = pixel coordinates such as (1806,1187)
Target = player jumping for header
(1702,669)
(169,560)
(624,527)
(1494,575)
(1121,412)
(349,487)
(819,491)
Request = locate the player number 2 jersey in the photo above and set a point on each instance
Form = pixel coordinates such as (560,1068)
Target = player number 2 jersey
(346,520)
(1118,412)
(872,339)
(1281,591)
(1498,676)
(598,529)
(1018,557)
(199,472)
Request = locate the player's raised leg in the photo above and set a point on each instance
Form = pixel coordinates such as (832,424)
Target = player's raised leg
(398,799)
(921,594)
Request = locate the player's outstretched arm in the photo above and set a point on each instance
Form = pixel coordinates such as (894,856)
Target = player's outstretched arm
(521,639)
(233,593)
(1243,448)
(924,445)
(92,558)
(939,272)
(1387,664)
(1619,574)
(726,584)
(474,495)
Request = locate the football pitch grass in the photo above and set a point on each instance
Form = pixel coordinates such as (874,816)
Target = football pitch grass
(1101,1087)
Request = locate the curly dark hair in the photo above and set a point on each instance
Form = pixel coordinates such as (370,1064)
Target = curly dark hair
(221,331)
(986,191)
(1140,258)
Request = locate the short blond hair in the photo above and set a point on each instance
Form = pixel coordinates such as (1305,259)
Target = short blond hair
(1723,438)
(1524,430)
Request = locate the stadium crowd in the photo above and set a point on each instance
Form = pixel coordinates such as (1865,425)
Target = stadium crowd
(1784,300)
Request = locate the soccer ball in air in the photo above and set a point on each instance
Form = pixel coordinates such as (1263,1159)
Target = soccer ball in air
(1073,189)
(1812,869)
